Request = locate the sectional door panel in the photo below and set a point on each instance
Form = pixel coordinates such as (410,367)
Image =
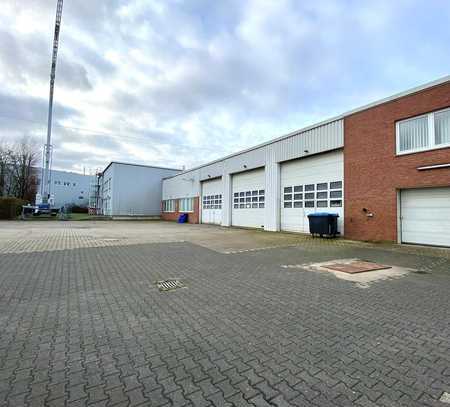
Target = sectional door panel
(308,185)
(248,199)
(212,192)
(425,216)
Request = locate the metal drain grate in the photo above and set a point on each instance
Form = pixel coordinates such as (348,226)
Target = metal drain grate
(169,285)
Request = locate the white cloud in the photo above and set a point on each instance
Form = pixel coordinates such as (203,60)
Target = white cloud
(182,82)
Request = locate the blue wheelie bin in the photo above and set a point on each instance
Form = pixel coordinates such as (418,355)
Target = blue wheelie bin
(323,224)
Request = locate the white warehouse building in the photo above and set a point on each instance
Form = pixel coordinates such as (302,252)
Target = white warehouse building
(124,189)
(273,186)
(390,182)
(67,188)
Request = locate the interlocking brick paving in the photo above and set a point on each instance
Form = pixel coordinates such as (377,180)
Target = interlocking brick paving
(89,327)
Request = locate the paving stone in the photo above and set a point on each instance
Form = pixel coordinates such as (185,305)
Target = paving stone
(85,326)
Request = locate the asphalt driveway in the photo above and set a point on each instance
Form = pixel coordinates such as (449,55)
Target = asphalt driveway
(83,323)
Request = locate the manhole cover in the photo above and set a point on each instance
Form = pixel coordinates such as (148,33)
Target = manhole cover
(169,285)
(356,266)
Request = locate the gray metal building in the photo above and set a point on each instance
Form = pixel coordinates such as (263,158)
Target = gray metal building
(304,168)
(131,189)
(68,188)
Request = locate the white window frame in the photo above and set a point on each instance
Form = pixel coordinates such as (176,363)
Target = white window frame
(169,205)
(181,202)
(431,134)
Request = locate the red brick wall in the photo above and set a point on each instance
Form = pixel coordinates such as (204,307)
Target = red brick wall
(372,171)
(193,217)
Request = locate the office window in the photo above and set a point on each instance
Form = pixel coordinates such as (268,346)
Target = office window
(442,127)
(186,205)
(169,205)
(425,132)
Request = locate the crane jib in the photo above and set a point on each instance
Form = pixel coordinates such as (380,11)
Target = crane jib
(45,191)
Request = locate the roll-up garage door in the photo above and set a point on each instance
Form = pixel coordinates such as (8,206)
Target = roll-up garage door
(425,216)
(212,201)
(313,184)
(248,199)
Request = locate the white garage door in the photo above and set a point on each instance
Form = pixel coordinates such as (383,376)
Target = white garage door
(313,184)
(248,199)
(212,201)
(425,216)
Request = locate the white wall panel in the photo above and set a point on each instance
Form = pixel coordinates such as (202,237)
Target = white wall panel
(226,200)
(186,185)
(136,189)
(272,207)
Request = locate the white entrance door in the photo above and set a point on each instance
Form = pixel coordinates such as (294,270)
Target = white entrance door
(212,201)
(425,216)
(248,199)
(313,184)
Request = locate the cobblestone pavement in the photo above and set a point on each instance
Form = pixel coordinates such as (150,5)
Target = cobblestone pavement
(88,327)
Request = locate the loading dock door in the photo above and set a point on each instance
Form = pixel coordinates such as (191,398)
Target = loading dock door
(425,216)
(308,185)
(212,201)
(248,199)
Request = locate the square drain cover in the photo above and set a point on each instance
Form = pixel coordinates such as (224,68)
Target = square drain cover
(169,285)
(356,266)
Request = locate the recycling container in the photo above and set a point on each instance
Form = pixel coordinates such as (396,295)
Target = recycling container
(323,223)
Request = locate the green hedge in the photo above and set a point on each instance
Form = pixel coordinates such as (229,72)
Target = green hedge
(11,208)
(79,209)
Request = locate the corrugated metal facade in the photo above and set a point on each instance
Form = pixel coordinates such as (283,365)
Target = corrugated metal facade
(132,190)
(326,137)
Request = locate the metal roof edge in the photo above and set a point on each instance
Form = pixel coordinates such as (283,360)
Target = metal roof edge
(399,95)
(141,165)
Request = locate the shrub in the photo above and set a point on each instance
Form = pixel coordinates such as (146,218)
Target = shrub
(11,208)
(79,209)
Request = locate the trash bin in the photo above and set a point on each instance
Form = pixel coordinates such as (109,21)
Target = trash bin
(323,223)
(183,218)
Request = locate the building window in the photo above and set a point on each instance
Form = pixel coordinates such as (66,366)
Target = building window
(425,132)
(336,185)
(322,198)
(442,127)
(253,199)
(186,205)
(169,205)
(214,201)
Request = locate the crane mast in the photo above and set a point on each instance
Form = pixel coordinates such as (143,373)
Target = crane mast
(48,146)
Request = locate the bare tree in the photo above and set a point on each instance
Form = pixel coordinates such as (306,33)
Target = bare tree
(5,168)
(18,176)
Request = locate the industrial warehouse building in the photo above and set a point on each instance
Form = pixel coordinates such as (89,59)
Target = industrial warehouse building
(125,189)
(383,168)
(68,188)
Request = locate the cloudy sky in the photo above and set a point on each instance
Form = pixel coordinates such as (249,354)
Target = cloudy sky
(175,82)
